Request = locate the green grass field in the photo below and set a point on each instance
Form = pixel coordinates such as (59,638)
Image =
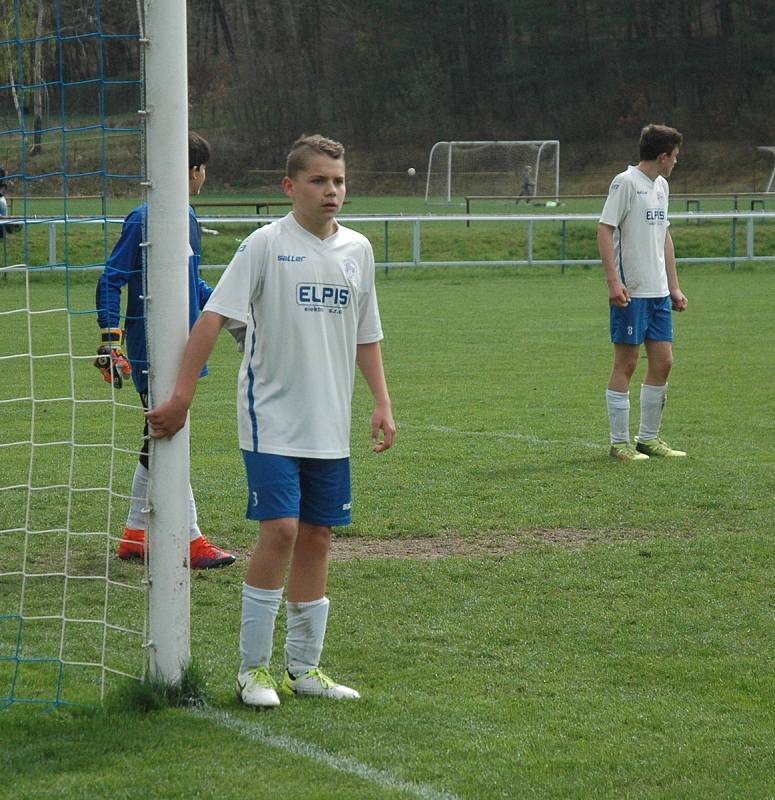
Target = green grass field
(524,616)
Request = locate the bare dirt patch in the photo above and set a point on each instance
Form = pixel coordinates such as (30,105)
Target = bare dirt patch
(491,543)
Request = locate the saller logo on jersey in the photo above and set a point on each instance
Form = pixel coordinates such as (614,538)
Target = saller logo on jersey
(322,294)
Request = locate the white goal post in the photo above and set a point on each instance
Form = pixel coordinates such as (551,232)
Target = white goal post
(520,168)
(166,94)
(76,620)
(771,182)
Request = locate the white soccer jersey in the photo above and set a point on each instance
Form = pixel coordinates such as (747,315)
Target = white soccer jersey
(307,304)
(637,208)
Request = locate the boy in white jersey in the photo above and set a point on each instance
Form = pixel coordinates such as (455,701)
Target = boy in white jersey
(303,290)
(639,261)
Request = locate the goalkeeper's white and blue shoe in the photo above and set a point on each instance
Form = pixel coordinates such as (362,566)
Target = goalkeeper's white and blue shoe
(256,687)
(316,684)
(656,448)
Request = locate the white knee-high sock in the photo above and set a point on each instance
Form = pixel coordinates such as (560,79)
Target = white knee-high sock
(137,518)
(306,632)
(193,530)
(652,404)
(618,415)
(259,612)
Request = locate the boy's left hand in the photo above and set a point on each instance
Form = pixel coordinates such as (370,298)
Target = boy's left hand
(382,419)
(679,301)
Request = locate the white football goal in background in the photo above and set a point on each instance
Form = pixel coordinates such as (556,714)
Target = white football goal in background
(771,181)
(73,617)
(499,168)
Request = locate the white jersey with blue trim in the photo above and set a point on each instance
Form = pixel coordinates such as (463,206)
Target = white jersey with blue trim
(637,208)
(307,304)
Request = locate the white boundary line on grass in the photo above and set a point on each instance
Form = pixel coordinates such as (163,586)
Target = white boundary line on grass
(261,734)
(524,437)
(520,437)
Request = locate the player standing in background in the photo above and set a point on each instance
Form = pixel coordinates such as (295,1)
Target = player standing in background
(528,184)
(7,227)
(639,261)
(125,267)
(303,288)
(3,201)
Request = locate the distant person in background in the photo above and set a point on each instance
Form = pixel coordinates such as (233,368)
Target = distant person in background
(8,227)
(528,184)
(125,268)
(3,201)
(639,261)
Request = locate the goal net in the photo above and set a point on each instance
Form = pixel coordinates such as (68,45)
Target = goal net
(73,617)
(496,168)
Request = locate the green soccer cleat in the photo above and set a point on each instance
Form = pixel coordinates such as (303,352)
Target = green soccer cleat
(658,449)
(624,451)
(256,687)
(316,684)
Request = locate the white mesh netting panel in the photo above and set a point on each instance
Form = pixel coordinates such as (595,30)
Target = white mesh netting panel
(497,168)
(72,615)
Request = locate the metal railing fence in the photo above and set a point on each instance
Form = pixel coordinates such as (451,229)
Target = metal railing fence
(740,224)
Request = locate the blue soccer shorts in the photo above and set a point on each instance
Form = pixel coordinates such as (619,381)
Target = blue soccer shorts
(314,490)
(643,318)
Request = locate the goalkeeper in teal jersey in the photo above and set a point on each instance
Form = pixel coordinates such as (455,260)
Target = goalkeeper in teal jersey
(124,268)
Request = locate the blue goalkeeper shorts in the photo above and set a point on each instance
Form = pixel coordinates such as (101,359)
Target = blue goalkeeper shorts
(644,318)
(314,490)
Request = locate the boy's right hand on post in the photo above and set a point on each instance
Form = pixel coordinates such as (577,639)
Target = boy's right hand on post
(111,361)
(168,418)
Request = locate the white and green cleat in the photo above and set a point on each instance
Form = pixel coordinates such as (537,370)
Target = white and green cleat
(624,451)
(656,448)
(316,684)
(256,687)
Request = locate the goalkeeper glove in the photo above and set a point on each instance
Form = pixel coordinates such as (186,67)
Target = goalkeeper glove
(111,361)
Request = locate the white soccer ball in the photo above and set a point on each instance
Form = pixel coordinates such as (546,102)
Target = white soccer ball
(411,171)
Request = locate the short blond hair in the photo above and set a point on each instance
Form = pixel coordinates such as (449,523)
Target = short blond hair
(307,147)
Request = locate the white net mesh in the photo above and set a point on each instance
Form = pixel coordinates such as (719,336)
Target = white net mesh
(72,616)
(507,168)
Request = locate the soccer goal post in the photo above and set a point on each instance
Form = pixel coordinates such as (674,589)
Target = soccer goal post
(498,168)
(166,312)
(75,619)
(771,182)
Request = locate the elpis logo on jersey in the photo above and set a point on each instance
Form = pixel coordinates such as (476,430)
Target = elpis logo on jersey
(655,215)
(322,296)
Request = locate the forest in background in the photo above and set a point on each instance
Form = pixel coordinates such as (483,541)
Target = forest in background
(391,77)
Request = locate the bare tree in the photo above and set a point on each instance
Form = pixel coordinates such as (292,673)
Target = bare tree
(39,85)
